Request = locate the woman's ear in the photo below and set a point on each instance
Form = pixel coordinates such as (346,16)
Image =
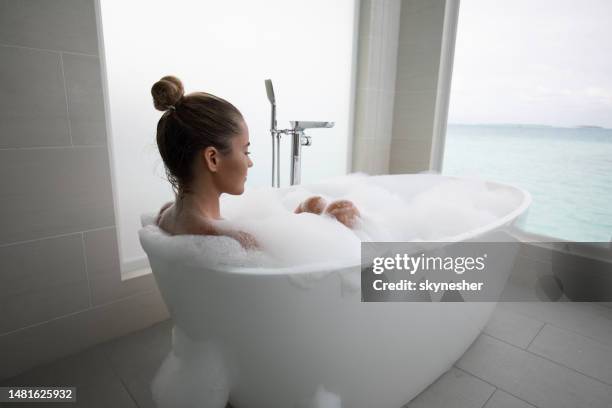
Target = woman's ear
(211,158)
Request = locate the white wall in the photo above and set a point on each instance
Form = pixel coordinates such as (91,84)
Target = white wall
(228,49)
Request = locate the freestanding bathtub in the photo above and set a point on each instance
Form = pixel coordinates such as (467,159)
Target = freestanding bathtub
(290,338)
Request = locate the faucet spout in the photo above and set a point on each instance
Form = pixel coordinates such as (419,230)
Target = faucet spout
(303,125)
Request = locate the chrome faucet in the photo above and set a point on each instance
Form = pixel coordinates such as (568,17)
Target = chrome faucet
(298,139)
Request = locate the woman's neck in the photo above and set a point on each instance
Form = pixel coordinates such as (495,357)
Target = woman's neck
(205,203)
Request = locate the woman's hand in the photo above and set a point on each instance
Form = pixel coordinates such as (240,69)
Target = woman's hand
(315,205)
(344,211)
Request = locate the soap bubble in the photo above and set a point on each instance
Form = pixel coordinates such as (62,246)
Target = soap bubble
(393,209)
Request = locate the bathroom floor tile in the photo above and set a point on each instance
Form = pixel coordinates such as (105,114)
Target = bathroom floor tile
(90,372)
(93,396)
(566,364)
(502,399)
(456,389)
(513,327)
(589,319)
(532,378)
(136,358)
(112,394)
(90,367)
(141,353)
(583,354)
(140,390)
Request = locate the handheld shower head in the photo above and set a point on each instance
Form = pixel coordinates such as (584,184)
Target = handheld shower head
(275,135)
(272,99)
(270,91)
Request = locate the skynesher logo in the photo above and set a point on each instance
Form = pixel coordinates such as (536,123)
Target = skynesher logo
(414,264)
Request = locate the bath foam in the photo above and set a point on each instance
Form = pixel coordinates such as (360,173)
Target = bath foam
(193,374)
(419,212)
(244,323)
(198,250)
(321,399)
(300,239)
(453,206)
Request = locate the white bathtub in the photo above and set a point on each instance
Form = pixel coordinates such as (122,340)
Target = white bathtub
(281,340)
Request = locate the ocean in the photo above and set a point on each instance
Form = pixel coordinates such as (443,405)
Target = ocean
(568,172)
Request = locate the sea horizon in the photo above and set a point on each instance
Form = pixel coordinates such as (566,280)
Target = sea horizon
(538,125)
(567,170)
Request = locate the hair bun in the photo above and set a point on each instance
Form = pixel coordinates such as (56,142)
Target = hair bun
(167,92)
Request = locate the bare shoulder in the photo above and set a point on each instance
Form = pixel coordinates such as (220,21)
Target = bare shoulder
(162,210)
(166,222)
(184,222)
(191,223)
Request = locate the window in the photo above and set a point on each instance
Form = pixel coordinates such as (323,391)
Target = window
(531,105)
(228,49)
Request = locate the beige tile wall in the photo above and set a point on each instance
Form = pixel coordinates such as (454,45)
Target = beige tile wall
(418,76)
(376,71)
(398,84)
(60,283)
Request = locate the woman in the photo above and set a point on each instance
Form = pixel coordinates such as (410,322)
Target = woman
(204,143)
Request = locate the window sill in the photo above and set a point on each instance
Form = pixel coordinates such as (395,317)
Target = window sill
(136,273)
(594,250)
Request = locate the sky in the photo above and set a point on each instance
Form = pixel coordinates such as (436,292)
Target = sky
(533,62)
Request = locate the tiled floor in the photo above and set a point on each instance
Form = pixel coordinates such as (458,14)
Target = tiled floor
(530,355)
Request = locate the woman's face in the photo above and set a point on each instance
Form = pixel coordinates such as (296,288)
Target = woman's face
(233,166)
